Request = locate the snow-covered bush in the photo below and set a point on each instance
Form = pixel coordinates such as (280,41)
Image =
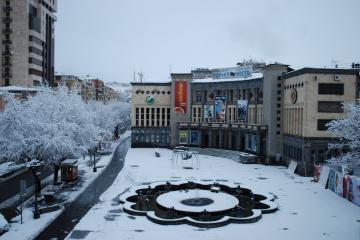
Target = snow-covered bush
(347,131)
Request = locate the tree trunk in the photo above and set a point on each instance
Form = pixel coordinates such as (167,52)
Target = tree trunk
(56,174)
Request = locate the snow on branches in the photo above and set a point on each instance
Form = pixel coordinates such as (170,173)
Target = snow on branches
(348,132)
(54,125)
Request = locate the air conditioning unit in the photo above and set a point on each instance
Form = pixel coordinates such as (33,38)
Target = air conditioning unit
(337,77)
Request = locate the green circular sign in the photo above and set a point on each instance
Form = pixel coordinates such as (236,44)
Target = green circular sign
(150,100)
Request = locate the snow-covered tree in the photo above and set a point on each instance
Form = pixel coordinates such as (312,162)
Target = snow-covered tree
(347,132)
(54,125)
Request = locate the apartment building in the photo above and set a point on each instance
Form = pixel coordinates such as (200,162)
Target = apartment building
(27,42)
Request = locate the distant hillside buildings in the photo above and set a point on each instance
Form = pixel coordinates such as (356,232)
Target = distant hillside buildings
(89,88)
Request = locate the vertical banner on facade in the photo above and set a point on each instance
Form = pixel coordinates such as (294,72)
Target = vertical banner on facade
(180,97)
(242,109)
(183,137)
(208,111)
(194,137)
(220,107)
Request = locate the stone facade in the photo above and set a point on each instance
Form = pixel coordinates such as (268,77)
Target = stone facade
(150,111)
(312,98)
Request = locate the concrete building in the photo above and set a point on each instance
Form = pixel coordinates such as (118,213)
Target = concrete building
(150,111)
(271,111)
(27,42)
(312,98)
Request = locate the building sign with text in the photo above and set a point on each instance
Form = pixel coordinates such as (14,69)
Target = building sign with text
(236,72)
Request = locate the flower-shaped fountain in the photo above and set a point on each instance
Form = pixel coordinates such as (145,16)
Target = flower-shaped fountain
(198,203)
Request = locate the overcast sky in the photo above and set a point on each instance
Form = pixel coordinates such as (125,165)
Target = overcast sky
(110,39)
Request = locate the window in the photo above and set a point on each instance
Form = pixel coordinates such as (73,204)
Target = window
(331,88)
(168,116)
(321,124)
(330,107)
(152,116)
(163,116)
(198,99)
(136,116)
(231,95)
(158,117)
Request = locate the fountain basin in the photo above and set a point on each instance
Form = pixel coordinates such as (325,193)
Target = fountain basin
(181,201)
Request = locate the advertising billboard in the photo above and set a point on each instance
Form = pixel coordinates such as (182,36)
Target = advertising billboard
(183,137)
(208,111)
(194,137)
(180,97)
(220,107)
(242,109)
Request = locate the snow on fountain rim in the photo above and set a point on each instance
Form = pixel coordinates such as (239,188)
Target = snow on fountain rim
(222,201)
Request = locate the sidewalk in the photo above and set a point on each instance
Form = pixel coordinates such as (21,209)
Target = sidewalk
(65,194)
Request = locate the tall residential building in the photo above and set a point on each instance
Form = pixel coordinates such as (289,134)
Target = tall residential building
(27,42)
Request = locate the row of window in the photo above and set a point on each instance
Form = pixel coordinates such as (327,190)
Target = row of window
(242,94)
(152,117)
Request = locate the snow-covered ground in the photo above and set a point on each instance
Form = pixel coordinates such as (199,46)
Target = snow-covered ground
(32,227)
(306,210)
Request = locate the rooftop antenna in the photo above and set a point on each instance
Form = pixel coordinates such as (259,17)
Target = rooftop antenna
(134,77)
(141,75)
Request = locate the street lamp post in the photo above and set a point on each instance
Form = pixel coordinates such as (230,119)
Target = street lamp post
(36,212)
(94,168)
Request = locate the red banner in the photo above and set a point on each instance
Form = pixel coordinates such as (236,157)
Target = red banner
(180,96)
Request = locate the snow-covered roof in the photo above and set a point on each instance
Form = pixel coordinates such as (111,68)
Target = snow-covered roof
(17,89)
(210,80)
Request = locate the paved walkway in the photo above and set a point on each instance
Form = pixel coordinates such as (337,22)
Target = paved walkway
(73,212)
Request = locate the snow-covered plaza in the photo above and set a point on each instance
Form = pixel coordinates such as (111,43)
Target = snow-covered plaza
(306,210)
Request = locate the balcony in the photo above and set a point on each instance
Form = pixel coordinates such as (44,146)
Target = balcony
(7,31)
(7,19)
(7,75)
(7,8)
(7,42)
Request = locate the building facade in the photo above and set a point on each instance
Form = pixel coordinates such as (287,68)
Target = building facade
(150,111)
(271,111)
(27,42)
(314,97)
